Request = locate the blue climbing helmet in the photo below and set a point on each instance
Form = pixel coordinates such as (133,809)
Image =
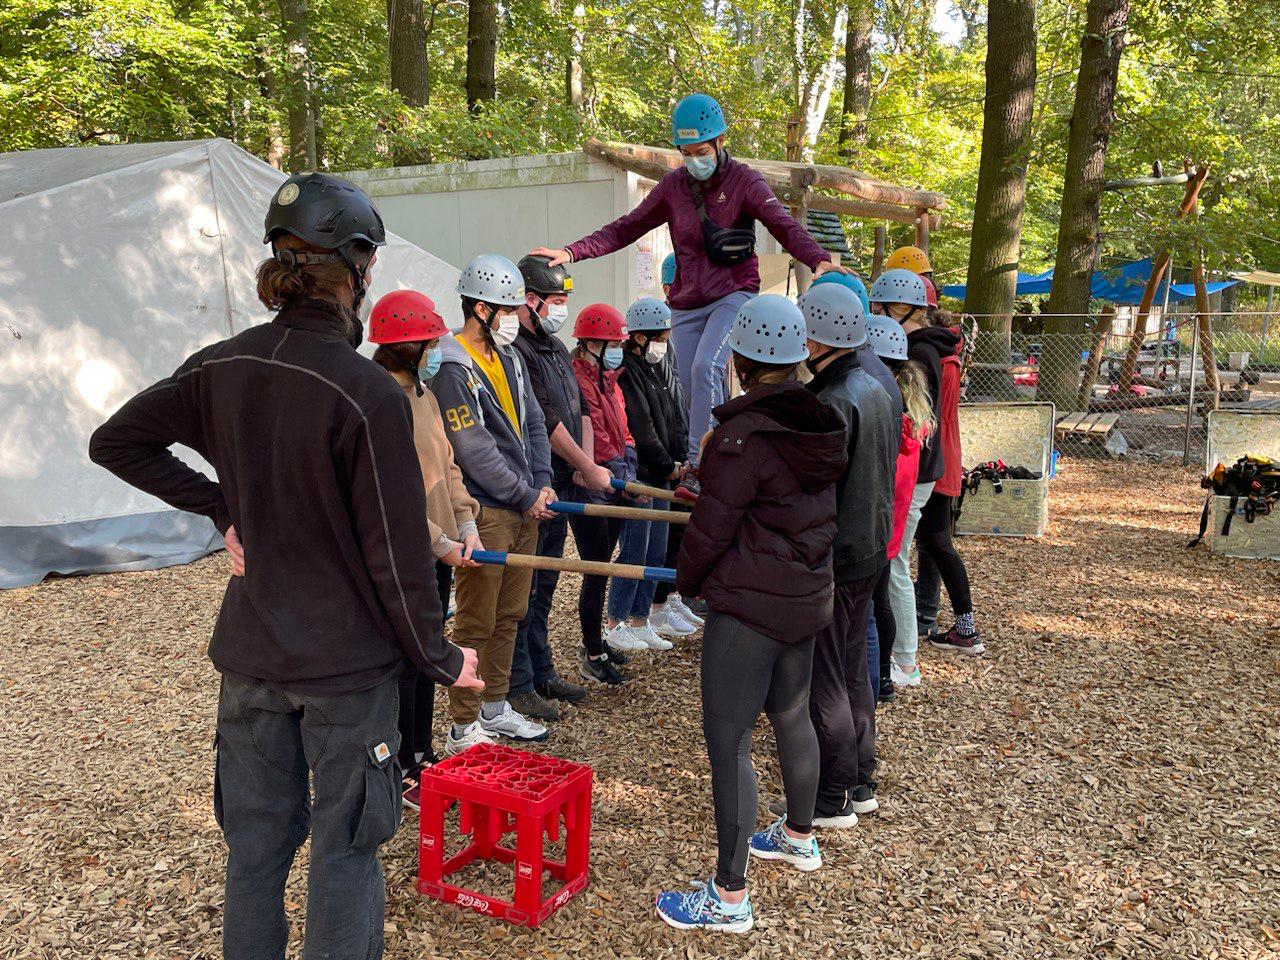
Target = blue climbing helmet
(834,316)
(770,329)
(696,119)
(669,269)
(887,338)
(900,286)
(849,280)
(648,315)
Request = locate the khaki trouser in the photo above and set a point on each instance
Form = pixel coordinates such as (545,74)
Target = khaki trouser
(491,601)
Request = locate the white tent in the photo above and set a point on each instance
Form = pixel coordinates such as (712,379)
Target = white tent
(116,264)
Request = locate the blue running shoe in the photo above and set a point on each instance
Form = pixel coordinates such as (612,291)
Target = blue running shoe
(774,844)
(702,909)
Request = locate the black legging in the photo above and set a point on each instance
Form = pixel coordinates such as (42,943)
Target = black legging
(596,537)
(675,534)
(886,626)
(933,537)
(745,673)
(418,694)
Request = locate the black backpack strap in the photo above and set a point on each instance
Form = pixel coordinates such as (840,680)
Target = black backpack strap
(699,202)
(1204,522)
(1231,514)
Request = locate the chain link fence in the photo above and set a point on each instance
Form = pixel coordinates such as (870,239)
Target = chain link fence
(1120,395)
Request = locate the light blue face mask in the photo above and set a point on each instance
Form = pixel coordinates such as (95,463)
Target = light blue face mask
(612,358)
(430,364)
(701,168)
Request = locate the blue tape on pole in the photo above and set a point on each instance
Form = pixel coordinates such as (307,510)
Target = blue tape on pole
(489,556)
(618,484)
(568,506)
(666,574)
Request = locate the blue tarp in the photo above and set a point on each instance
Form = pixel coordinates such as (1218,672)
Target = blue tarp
(1114,285)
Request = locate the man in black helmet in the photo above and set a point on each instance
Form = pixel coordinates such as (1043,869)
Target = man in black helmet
(320,497)
(534,681)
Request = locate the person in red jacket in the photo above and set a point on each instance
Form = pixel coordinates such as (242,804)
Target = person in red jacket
(597,364)
(710,205)
(759,549)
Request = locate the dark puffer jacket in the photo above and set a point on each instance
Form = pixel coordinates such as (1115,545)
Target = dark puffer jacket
(657,423)
(759,544)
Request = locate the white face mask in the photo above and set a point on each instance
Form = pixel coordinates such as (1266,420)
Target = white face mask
(655,351)
(507,330)
(557,314)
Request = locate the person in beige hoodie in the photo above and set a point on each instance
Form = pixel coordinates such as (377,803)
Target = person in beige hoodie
(407,328)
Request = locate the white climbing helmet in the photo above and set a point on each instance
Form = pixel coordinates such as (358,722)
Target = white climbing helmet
(900,286)
(770,329)
(492,278)
(887,338)
(834,316)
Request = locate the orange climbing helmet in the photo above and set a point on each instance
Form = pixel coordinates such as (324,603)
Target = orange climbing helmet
(909,258)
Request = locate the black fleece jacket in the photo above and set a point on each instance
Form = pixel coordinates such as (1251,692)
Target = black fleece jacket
(313,448)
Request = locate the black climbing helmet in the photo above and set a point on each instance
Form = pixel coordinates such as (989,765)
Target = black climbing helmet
(323,210)
(542,278)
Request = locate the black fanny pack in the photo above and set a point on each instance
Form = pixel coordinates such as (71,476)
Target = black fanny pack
(725,246)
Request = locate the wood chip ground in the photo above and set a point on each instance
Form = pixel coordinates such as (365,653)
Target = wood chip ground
(1103,783)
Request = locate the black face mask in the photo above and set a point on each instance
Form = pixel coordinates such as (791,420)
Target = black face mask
(813,362)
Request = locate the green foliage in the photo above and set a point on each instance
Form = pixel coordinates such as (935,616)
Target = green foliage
(1198,81)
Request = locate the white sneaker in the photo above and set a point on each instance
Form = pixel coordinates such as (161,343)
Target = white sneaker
(674,600)
(514,726)
(902,678)
(621,638)
(667,623)
(471,736)
(651,639)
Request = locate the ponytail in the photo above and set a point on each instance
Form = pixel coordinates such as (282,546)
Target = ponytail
(916,401)
(753,373)
(282,279)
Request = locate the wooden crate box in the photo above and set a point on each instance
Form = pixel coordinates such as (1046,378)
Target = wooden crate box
(1232,434)
(1020,434)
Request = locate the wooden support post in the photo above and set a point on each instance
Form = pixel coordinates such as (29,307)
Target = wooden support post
(1204,324)
(877,257)
(922,229)
(1101,330)
(1195,180)
(802,188)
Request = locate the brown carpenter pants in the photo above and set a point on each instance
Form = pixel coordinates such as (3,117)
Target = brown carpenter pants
(491,601)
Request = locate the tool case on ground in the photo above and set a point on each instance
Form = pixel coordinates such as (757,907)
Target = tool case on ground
(1241,517)
(998,499)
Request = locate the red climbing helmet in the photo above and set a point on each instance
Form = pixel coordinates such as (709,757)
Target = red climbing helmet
(930,292)
(405,316)
(599,321)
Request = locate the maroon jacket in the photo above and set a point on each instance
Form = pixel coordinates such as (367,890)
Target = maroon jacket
(758,546)
(735,195)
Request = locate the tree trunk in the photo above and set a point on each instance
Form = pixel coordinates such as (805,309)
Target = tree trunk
(482,53)
(857,79)
(407,49)
(1101,330)
(1208,357)
(1002,188)
(573,66)
(1091,119)
(300,96)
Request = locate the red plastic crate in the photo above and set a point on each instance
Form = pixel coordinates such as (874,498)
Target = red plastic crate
(500,791)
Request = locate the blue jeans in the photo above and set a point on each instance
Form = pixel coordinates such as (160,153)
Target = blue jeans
(700,338)
(267,741)
(531,659)
(643,543)
(873,656)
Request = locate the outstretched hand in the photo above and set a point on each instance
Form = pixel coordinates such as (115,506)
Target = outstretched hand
(236,550)
(554,256)
(469,676)
(828,267)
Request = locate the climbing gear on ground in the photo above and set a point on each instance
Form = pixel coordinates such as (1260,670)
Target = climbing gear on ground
(696,119)
(834,316)
(909,258)
(1252,479)
(492,278)
(900,286)
(994,472)
(725,246)
(770,329)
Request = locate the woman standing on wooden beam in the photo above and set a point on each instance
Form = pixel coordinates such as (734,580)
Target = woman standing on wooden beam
(710,208)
